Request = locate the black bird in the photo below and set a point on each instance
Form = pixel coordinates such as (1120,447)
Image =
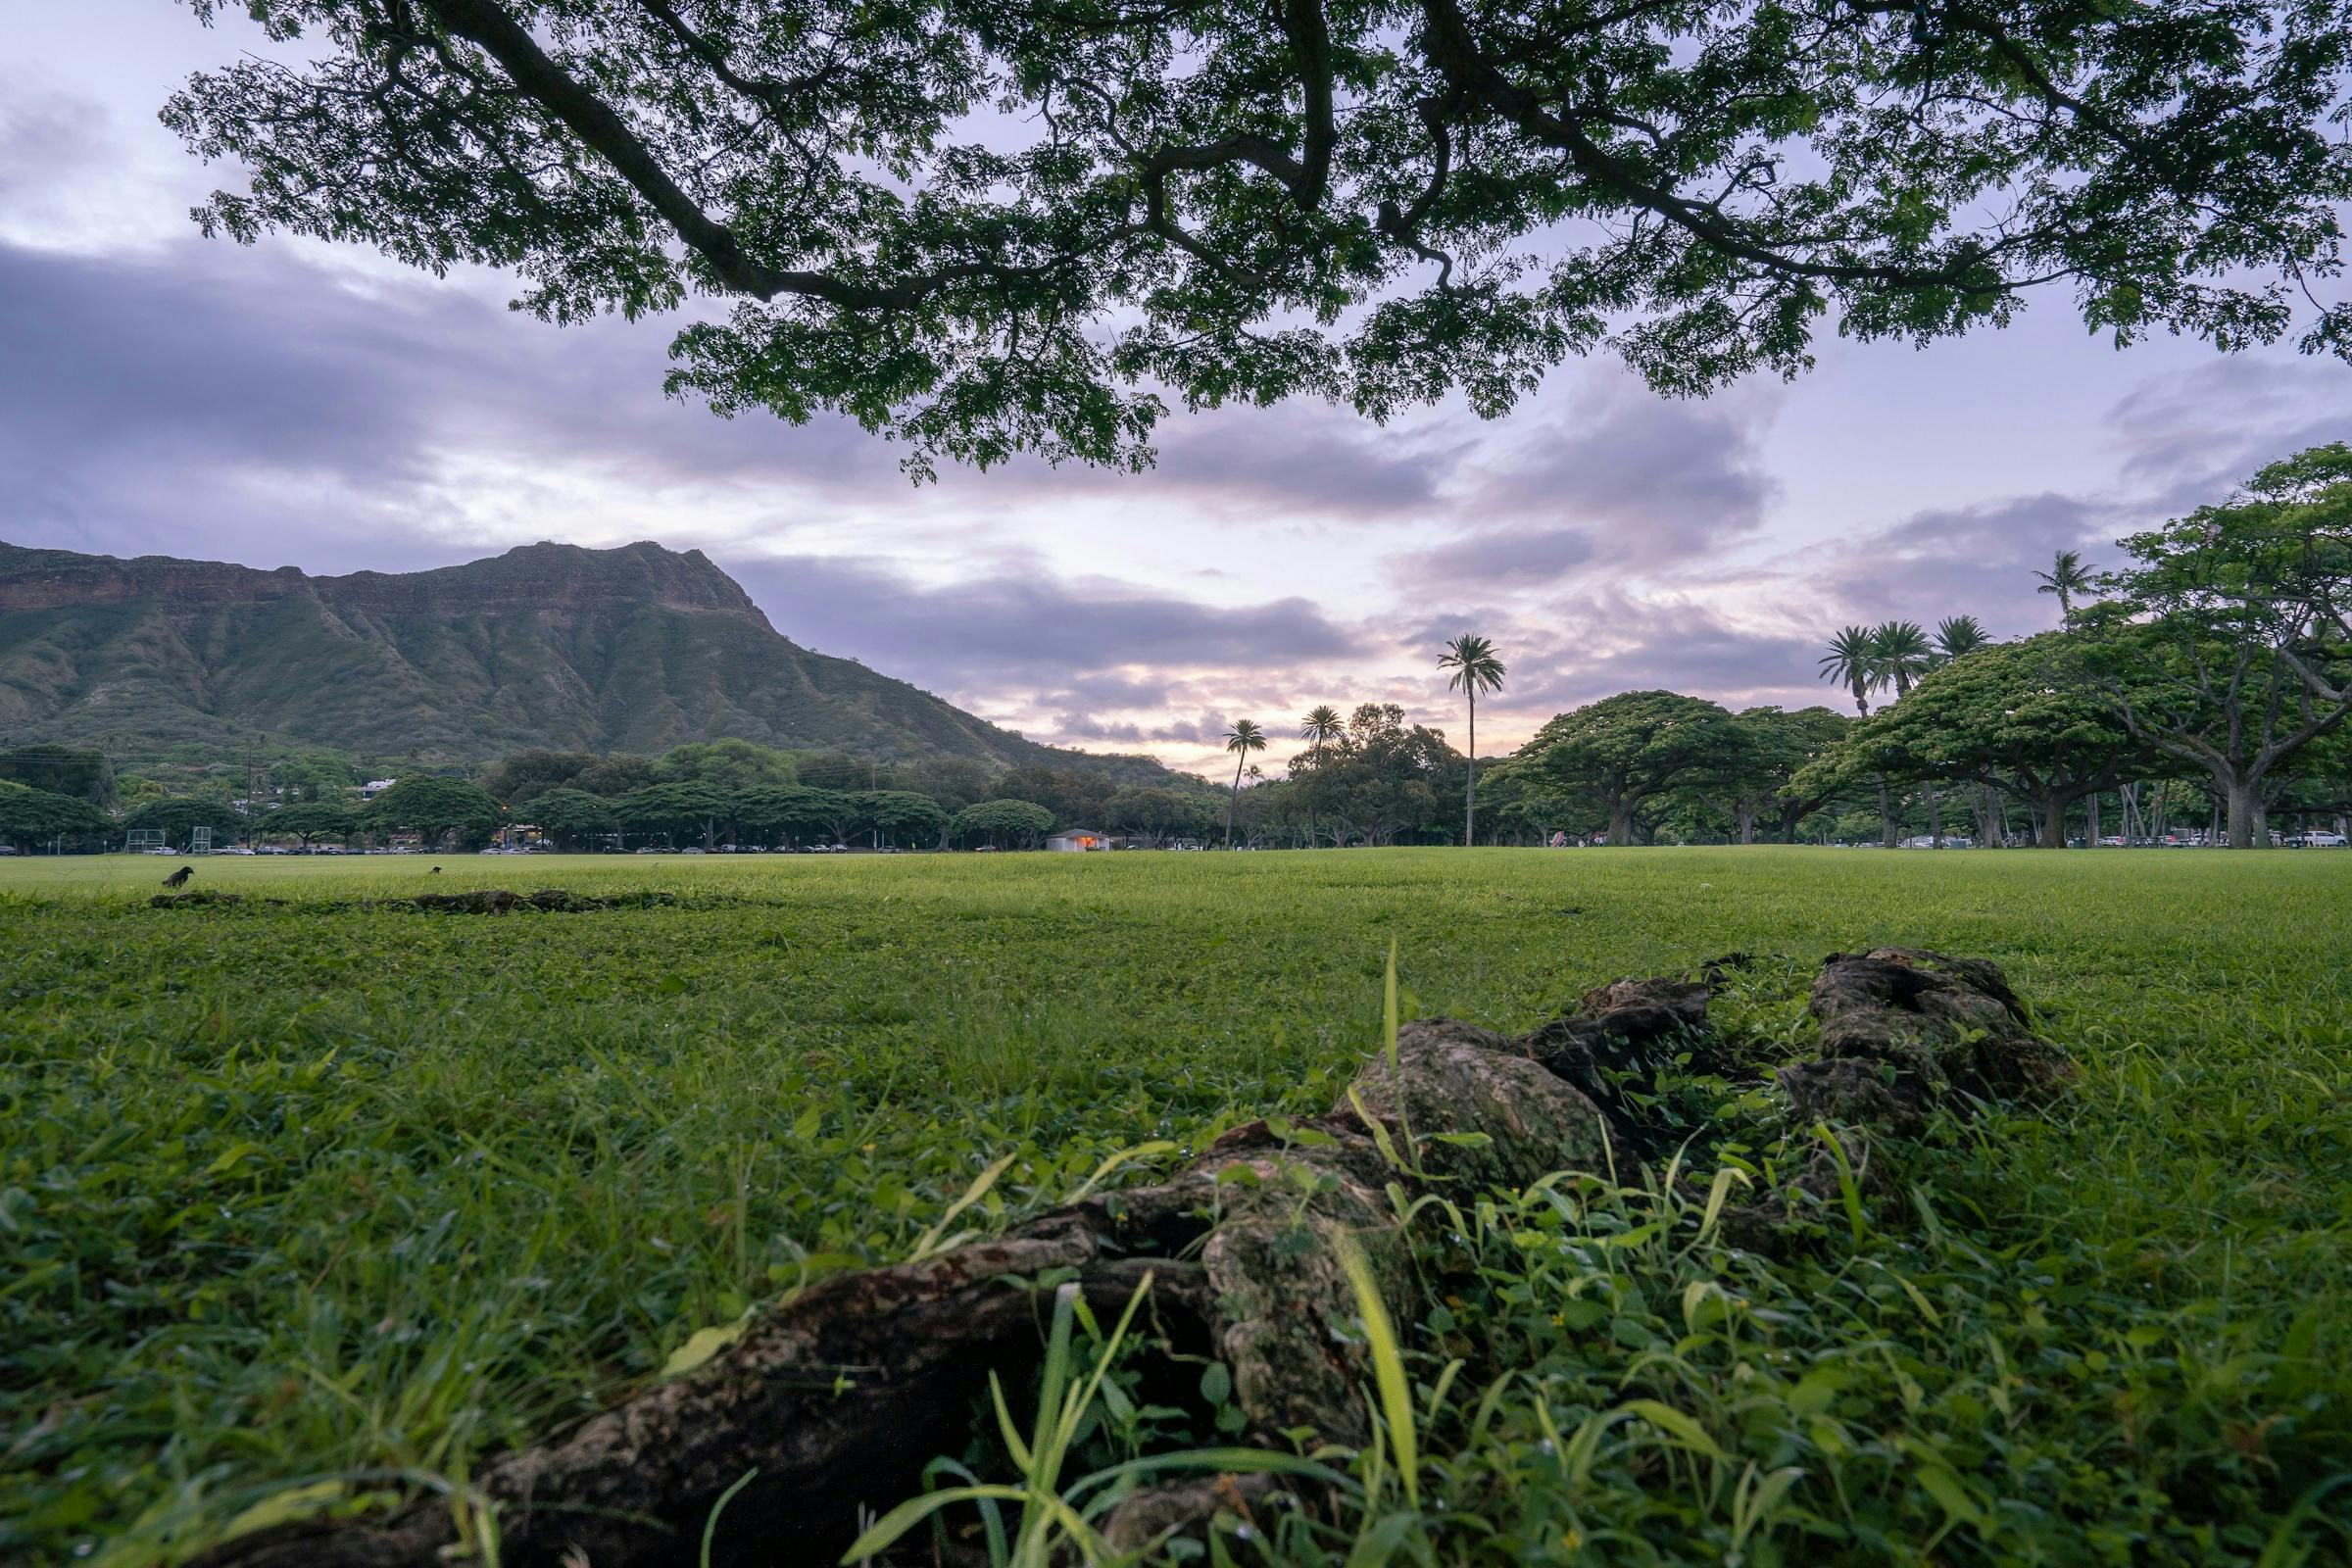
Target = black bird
(180,878)
(436,871)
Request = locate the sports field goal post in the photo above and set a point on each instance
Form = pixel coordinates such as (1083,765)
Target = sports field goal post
(143,840)
(200,841)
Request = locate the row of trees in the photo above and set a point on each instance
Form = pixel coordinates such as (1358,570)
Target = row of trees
(441,810)
(2217,663)
(728,791)
(2219,655)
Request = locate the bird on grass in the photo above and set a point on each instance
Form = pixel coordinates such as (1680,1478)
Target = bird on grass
(436,871)
(180,878)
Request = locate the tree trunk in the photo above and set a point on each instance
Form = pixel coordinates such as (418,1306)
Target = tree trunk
(2053,820)
(1747,818)
(1621,824)
(2090,821)
(1235,799)
(1934,816)
(1470,779)
(2245,808)
(1885,816)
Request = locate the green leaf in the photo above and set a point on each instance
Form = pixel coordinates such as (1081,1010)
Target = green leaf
(1668,1419)
(285,1507)
(704,1343)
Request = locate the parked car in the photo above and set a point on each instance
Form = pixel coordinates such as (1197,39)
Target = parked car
(2320,839)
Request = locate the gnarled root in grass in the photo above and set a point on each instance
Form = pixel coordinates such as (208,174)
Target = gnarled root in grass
(481,901)
(839,1395)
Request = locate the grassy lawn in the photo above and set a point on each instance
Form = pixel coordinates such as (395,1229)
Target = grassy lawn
(313,1189)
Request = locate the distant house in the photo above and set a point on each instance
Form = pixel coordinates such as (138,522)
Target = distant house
(1078,838)
(375,787)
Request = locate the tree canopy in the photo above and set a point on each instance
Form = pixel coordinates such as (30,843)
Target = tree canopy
(521,777)
(2005,716)
(727,764)
(31,817)
(1157,814)
(900,817)
(1379,778)
(1623,751)
(1004,226)
(1774,747)
(432,807)
(1002,824)
(569,815)
(2227,645)
(75,770)
(679,810)
(305,820)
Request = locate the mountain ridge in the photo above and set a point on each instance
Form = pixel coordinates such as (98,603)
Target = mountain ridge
(636,648)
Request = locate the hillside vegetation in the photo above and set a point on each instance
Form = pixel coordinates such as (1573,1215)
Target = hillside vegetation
(636,649)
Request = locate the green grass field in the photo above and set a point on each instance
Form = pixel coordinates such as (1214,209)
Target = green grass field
(311,1190)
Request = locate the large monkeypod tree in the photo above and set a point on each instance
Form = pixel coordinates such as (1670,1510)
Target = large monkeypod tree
(991,227)
(2007,716)
(1627,751)
(2228,646)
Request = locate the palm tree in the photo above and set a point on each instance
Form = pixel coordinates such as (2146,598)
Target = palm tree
(1244,738)
(1852,662)
(1476,670)
(1902,652)
(1958,636)
(1320,726)
(2067,577)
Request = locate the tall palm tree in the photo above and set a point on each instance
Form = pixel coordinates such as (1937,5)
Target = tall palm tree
(1903,653)
(1244,738)
(1476,670)
(2067,577)
(1958,636)
(1852,662)
(1320,726)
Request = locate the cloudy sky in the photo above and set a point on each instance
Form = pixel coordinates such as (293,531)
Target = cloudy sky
(297,404)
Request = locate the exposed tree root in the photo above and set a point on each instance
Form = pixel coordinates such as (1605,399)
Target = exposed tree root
(839,1395)
(485,901)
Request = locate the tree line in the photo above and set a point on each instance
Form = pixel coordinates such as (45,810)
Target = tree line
(704,795)
(2209,675)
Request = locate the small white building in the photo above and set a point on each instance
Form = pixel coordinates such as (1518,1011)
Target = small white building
(375,787)
(1078,838)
